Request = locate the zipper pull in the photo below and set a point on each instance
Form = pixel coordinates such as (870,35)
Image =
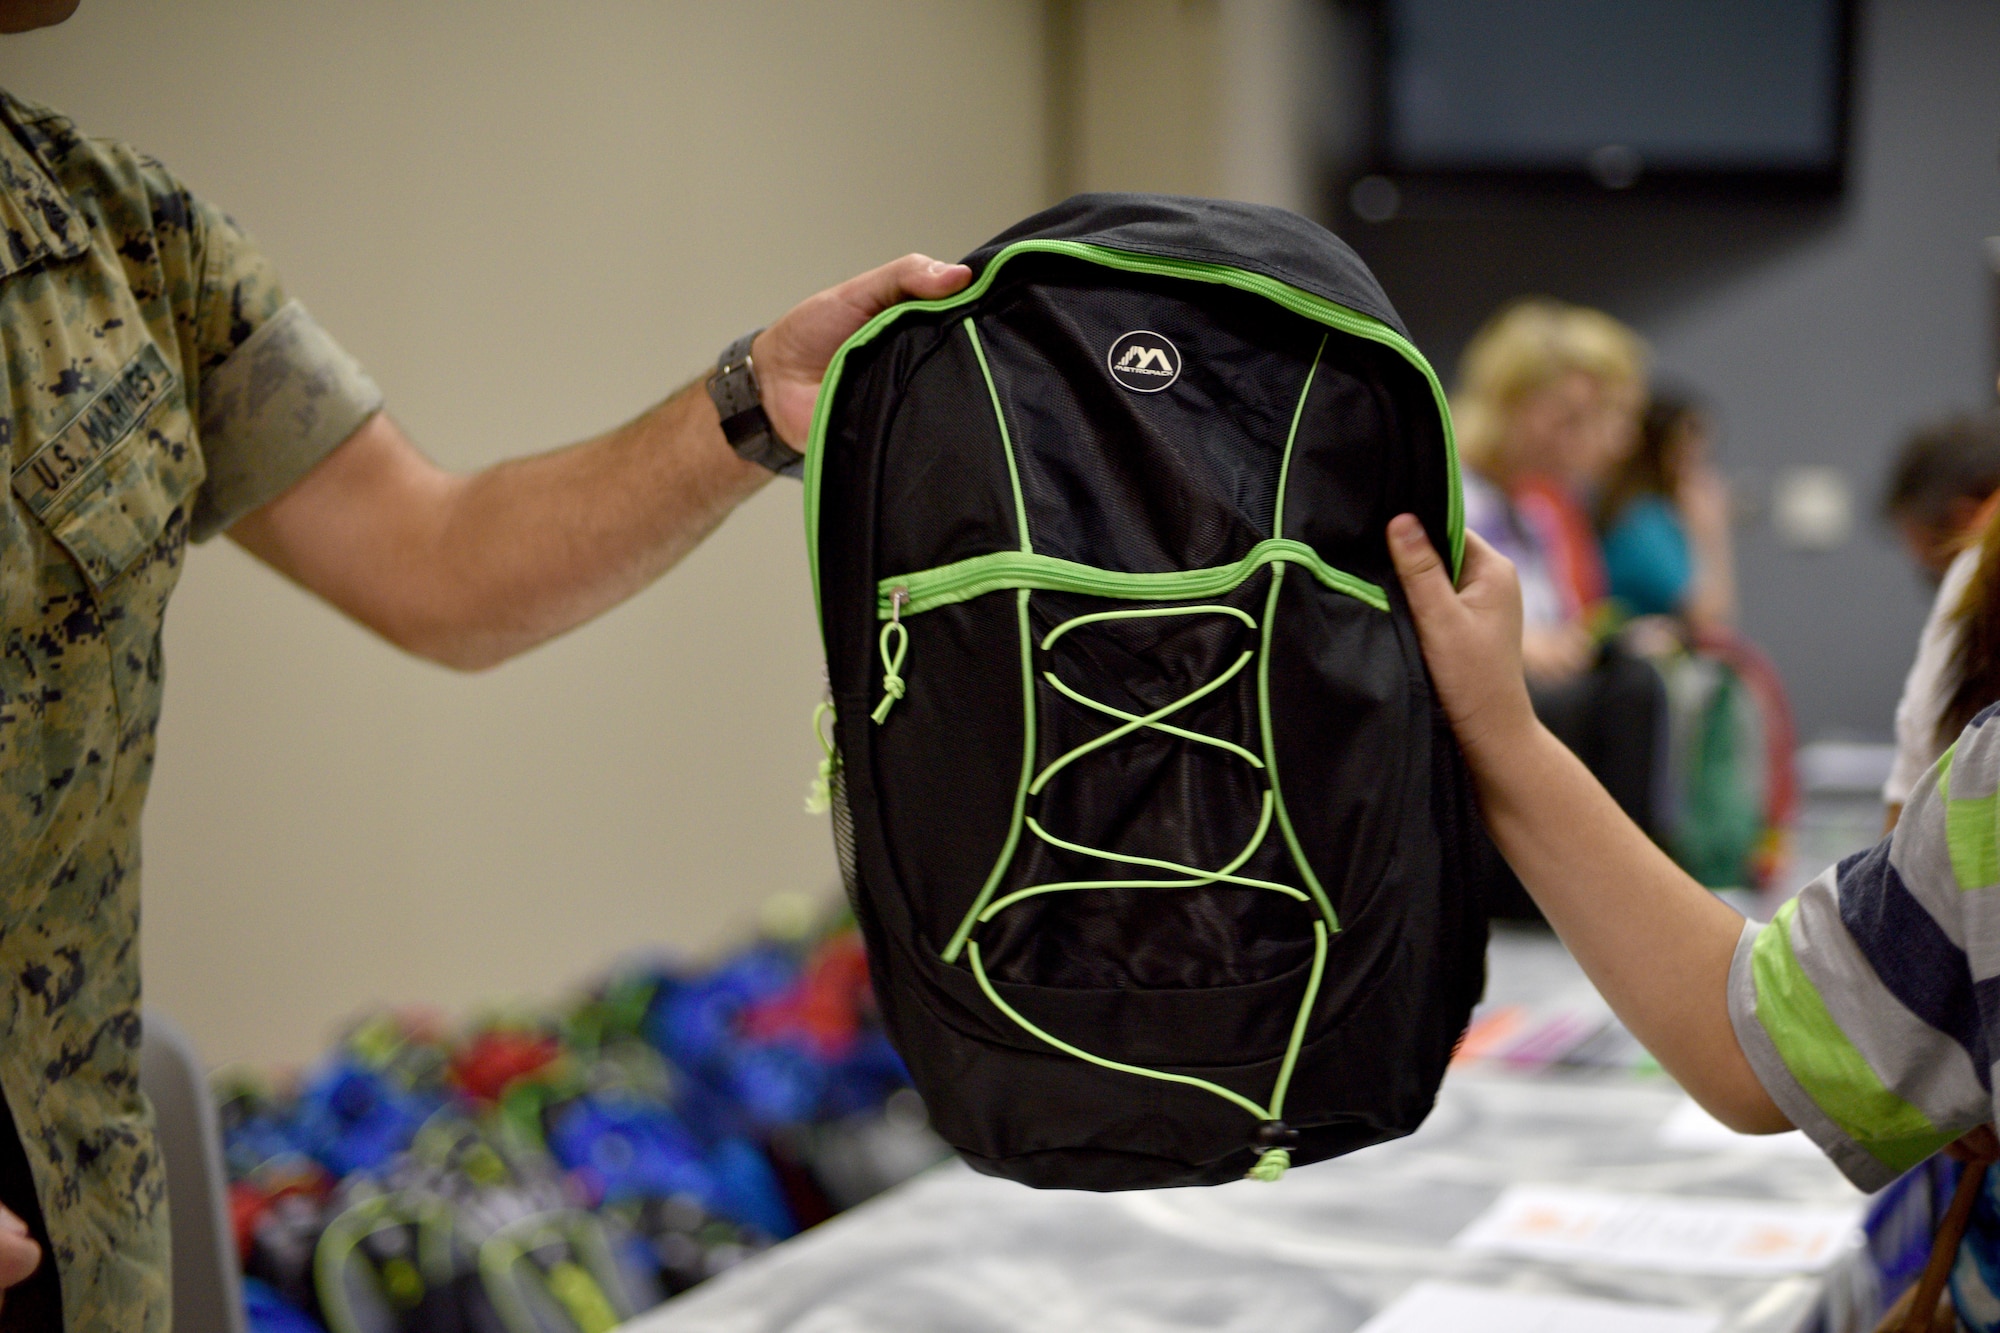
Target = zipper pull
(892,658)
(819,796)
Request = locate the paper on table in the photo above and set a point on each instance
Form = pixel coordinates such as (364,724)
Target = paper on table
(1443,1307)
(1694,1130)
(1676,1235)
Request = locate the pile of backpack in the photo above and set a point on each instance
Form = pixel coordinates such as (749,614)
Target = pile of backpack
(561,1172)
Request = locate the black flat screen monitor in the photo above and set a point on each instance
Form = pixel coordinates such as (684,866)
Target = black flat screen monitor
(1613,93)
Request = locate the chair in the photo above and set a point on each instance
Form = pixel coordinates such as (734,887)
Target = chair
(208,1289)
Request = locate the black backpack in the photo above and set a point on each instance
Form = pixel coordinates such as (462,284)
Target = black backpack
(1166,861)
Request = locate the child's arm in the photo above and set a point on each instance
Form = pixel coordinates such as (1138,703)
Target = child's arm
(1658,945)
(1857,1014)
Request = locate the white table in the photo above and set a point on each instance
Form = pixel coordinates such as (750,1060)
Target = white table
(1322,1250)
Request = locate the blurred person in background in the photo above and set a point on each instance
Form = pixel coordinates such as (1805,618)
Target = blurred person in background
(1547,404)
(1942,497)
(1546,407)
(1665,518)
(1664,515)
(162,389)
(1937,487)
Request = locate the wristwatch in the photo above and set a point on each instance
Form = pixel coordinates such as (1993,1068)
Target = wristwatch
(740,403)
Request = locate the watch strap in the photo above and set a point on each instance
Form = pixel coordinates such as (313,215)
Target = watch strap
(740,403)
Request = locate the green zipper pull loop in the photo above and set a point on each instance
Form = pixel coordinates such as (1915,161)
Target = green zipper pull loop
(1271,1167)
(819,796)
(892,659)
(1277,1139)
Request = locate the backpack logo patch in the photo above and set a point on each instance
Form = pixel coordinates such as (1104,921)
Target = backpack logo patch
(1143,361)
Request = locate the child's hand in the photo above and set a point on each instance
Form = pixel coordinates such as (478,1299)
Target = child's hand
(1471,637)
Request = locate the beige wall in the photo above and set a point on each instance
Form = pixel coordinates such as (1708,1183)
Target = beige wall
(1187,97)
(1147,88)
(529,220)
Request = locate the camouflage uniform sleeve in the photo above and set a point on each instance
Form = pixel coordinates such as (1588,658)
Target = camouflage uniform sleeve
(274,393)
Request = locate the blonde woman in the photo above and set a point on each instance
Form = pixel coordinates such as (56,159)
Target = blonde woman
(1547,405)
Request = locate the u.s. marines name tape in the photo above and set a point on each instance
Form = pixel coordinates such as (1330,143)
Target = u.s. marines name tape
(95,431)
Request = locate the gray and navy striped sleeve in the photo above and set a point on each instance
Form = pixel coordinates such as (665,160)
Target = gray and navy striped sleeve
(1868,1005)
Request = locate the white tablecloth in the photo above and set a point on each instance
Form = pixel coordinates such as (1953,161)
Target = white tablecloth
(1319,1251)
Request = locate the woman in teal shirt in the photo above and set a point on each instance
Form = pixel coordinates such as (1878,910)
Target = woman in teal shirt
(1665,523)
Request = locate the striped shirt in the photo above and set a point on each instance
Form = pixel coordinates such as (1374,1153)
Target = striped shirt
(1868,1005)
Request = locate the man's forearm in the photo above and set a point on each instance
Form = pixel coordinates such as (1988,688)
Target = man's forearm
(536,546)
(1656,944)
(470,570)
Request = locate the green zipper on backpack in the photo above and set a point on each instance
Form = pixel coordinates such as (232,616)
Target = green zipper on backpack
(1306,304)
(927,589)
